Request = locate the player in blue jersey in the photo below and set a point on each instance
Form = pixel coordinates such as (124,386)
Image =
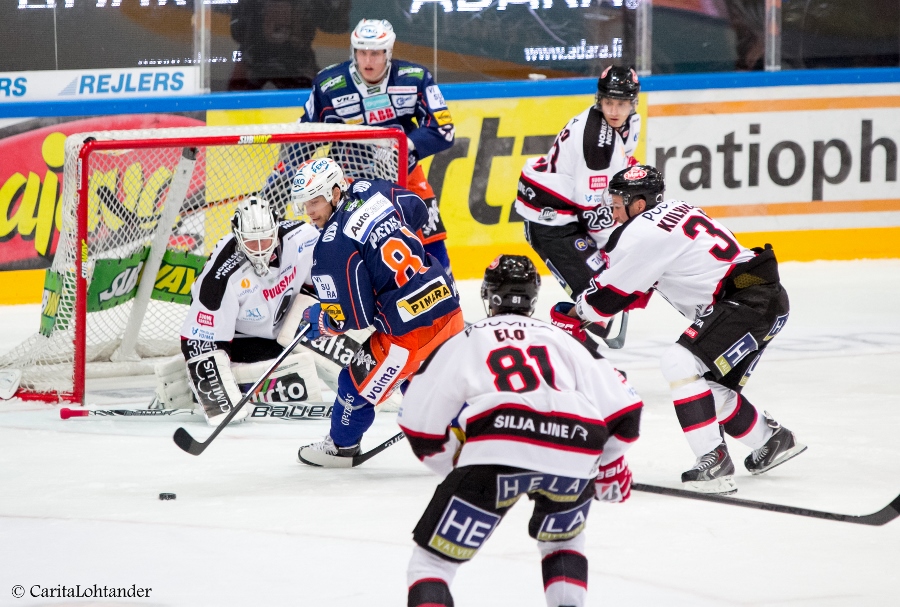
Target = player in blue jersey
(370,270)
(374,89)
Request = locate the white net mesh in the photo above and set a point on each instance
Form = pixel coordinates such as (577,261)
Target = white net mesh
(128,188)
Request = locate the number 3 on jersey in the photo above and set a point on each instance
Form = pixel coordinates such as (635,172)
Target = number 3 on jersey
(397,255)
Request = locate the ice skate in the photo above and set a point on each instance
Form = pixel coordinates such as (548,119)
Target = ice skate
(327,455)
(712,473)
(780,447)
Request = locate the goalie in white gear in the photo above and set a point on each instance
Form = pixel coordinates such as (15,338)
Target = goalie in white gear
(239,304)
(511,407)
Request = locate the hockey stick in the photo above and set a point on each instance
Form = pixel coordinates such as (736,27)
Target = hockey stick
(261,412)
(187,443)
(66,413)
(364,457)
(618,342)
(885,515)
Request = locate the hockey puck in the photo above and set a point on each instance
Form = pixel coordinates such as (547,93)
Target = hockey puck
(166,496)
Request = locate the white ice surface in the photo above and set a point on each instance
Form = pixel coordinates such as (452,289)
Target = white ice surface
(79,499)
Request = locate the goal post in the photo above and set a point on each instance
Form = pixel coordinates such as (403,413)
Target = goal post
(140,213)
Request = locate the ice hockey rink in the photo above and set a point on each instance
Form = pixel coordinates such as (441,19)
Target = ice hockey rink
(250,526)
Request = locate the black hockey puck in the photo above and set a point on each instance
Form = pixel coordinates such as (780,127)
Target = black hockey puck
(166,496)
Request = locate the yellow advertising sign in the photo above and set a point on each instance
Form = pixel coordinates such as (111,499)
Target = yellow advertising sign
(475,181)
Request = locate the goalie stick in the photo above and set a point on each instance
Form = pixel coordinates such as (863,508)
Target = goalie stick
(261,412)
(883,516)
(187,443)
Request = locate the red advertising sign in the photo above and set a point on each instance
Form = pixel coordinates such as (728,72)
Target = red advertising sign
(31,167)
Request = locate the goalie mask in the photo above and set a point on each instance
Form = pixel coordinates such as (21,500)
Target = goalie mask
(639,181)
(373,35)
(256,232)
(314,178)
(511,284)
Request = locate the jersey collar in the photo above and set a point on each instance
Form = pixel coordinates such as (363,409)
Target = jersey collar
(365,89)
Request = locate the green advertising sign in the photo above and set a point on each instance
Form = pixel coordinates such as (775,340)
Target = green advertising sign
(116,281)
(50,301)
(176,275)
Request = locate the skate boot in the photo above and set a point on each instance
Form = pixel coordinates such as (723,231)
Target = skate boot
(712,473)
(328,455)
(780,447)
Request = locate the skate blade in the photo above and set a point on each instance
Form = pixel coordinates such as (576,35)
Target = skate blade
(721,486)
(313,457)
(791,453)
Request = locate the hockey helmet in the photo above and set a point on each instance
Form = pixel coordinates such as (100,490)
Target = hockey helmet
(511,284)
(373,35)
(314,178)
(256,232)
(618,82)
(639,181)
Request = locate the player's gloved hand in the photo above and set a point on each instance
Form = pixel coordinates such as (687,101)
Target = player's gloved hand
(640,303)
(320,323)
(613,482)
(412,160)
(559,316)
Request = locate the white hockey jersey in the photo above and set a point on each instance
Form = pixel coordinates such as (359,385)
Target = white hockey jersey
(522,393)
(567,184)
(673,247)
(229,298)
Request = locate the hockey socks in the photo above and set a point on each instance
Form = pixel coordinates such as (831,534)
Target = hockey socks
(429,577)
(352,414)
(740,419)
(565,571)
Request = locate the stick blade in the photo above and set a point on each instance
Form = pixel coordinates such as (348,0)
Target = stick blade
(364,457)
(883,516)
(187,443)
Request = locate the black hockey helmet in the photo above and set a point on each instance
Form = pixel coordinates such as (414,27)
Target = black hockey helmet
(618,82)
(511,284)
(639,181)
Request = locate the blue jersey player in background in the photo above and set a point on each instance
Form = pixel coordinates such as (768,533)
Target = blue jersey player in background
(374,89)
(370,270)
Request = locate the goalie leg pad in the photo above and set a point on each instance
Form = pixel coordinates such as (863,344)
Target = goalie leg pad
(294,381)
(214,386)
(172,387)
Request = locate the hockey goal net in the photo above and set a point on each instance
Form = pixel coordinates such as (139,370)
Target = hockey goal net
(142,211)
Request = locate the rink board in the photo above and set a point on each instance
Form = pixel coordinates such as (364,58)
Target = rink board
(811,168)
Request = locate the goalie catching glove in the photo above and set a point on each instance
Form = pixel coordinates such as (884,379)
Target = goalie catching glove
(320,323)
(613,483)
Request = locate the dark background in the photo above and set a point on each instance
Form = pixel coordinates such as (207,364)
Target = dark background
(266,44)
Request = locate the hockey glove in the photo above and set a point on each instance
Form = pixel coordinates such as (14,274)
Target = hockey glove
(613,482)
(320,323)
(641,302)
(559,316)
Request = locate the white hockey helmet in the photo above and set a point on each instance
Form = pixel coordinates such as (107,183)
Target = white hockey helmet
(256,232)
(314,178)
(373,35)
